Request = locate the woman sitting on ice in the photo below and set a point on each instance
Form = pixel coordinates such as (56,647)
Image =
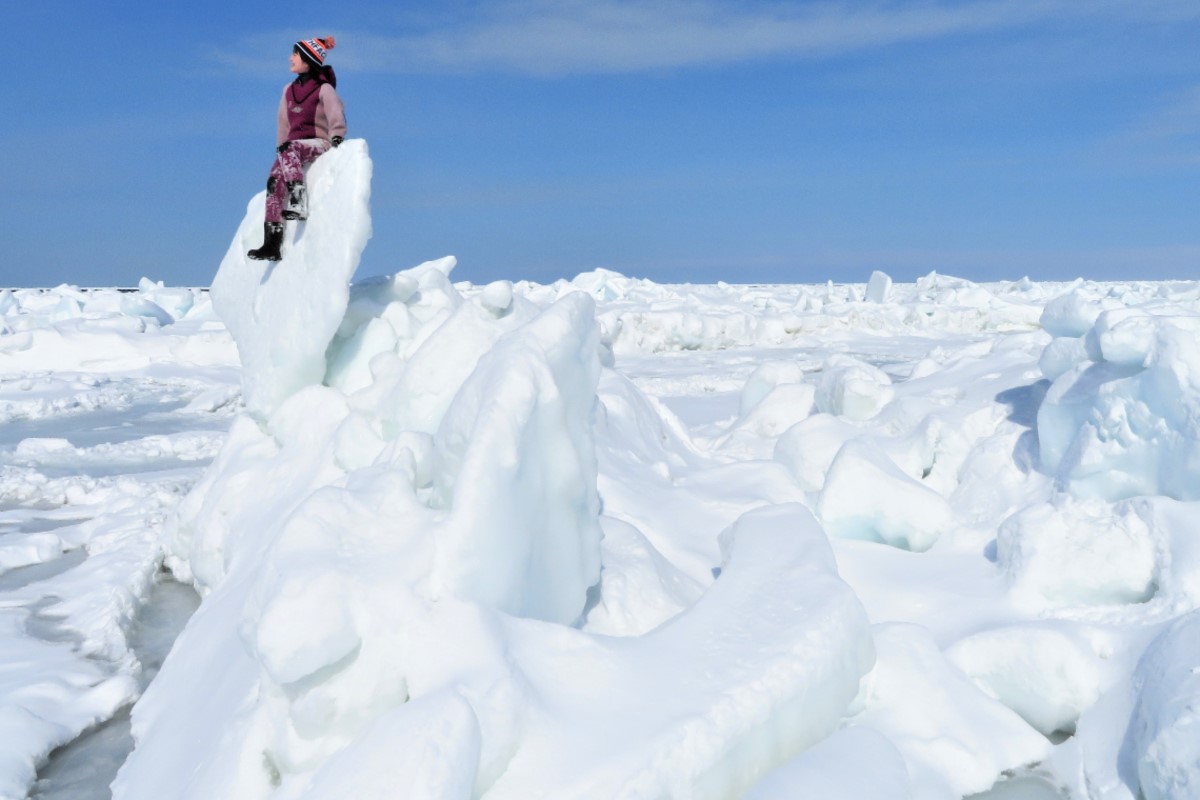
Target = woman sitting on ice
(311,120)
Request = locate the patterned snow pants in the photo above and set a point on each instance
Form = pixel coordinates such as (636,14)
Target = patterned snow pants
(289,166)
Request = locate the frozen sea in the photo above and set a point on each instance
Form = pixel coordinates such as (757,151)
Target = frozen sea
(293,537)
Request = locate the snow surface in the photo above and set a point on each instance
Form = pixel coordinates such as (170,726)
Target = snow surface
(600,538)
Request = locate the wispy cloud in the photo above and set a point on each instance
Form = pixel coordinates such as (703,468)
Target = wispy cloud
(558,37)
(1169,135)
(1178,118)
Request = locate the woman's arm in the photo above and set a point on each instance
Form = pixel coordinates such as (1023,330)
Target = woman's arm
(332,113)
(282,126)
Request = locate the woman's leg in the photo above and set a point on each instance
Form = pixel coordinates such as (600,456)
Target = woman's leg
(276,189)
(292,161)
(285,185)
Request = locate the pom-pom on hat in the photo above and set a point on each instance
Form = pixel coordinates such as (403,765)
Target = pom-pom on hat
(313,50)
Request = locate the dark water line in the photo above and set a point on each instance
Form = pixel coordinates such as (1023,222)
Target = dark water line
(85,768)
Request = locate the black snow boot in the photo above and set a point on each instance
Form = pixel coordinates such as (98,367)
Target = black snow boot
(297,201)
(272,242)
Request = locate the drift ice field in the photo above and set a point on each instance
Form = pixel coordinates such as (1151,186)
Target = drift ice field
(296,537)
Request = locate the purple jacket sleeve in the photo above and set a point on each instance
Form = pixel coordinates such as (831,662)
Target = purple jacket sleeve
(331,116)
(282,126)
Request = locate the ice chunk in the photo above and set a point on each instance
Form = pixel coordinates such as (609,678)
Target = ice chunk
(497,297)
(1071,314)
(283,315)
(866,496)
(954,739)
(852,764)
(1062,355)
(137,306)
(852,388)
(1125,427)
(639,589)
(782,408)
(765,378)
(349,367)
(1045,674)
(1079,552)
(429,748)
(809,447)
(413,389)
(1164,733)
(879,287)
(637,730)
(1123,337)
(517,469)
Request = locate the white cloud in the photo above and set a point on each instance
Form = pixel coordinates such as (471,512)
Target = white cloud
(556,37)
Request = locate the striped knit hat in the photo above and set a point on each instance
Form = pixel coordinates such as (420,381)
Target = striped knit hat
(313,50)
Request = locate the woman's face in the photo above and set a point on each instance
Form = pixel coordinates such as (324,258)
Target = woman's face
(299,65)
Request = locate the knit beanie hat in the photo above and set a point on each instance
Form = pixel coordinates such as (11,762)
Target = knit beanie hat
(313,50)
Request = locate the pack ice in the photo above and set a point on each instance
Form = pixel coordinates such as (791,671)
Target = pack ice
(401,548)
(603,537)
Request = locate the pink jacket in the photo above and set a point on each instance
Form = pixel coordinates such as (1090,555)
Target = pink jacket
(311,110)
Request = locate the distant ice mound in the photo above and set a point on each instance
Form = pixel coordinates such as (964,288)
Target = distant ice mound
(638,315)
(69,329)
(282,315)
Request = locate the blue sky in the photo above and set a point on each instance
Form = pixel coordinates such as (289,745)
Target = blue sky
(680,140)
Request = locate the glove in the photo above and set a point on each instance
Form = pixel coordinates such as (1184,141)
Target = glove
(282,147)
(337,140)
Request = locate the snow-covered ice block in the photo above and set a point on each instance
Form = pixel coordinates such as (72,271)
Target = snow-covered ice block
(809,447)
(1047,675)
(439,340)
(1123,423)
(136,305)
(517,471)
(955,739)
(283,315)
(688,710)
(1125,337)
(1061,355)
(852,764)
(639,589)
(1079,552)
(428,748)
(755,433)
(1071,314)
(866,496)
(879,287)
(764,379)
(852,389)
(1164,733)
